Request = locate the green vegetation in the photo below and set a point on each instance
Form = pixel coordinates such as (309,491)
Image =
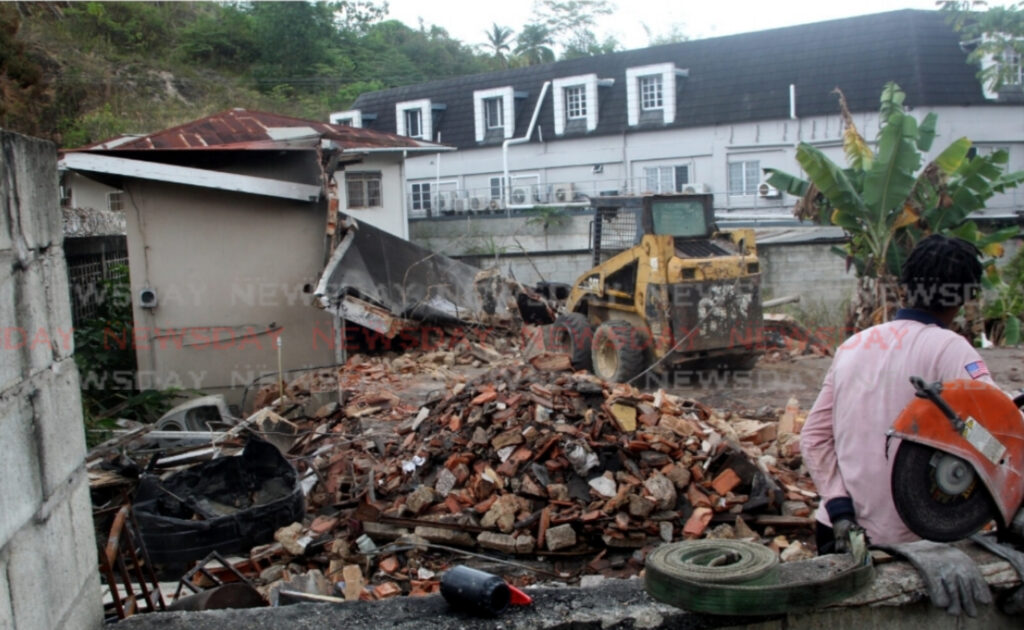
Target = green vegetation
(81,72)
(107,368)
(886,202)
(990,33)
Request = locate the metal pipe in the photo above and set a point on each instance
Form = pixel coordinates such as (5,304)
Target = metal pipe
(792,101)
(509,142)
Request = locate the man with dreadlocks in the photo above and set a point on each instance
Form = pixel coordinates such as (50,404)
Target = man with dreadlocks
(844,439)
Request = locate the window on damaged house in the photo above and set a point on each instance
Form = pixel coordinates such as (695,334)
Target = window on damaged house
(414,123)
(115,201)
(494,113)
(363,189)
(421,197)
(744,177)
(575,102)
(651,97)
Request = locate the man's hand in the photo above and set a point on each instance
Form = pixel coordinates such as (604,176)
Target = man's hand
(842,528)
(953,580)
(844,521)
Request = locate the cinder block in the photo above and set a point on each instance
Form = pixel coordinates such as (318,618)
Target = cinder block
(6,609)
(59,429)
(50,575)
(11,361)
(83,534)
(32,584)
(58,299)
(85,612)
(34,195)
(20,481)
(30,302)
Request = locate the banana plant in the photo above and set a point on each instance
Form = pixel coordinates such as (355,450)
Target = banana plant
(885,201)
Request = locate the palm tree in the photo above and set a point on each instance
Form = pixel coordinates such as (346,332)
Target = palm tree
(499,40)
(534,44)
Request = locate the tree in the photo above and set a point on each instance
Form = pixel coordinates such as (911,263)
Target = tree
(886,204)
(499,40)
(995,34)
(534,44)
(673,35)
(585,44)
(571,23)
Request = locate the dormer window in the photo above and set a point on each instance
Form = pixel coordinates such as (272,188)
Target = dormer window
(414,119)
(651,93)
(1011,68)
(351,118)
(575,103)
(494,113)
(413,123)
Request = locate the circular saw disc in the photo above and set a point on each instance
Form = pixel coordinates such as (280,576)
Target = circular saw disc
(938,495)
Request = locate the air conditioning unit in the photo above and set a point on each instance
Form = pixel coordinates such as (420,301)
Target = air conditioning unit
(766,190)
(461,205)
(520,195)
(478,203)
(695,189)
(562,193)
(495,204)
(446,202)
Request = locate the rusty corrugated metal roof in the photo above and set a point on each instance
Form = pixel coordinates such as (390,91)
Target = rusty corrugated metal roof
(242,129)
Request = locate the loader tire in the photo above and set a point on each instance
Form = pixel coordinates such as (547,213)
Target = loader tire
(573,336)
(618,351)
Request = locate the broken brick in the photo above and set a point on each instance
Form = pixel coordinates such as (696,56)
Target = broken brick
(697,522)
(725,481)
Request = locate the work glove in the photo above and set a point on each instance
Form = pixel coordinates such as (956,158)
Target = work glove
(844,522)
(953,580)
(842,529)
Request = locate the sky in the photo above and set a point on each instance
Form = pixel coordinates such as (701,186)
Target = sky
(467,20)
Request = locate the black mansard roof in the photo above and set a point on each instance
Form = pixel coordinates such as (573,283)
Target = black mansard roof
(733,79)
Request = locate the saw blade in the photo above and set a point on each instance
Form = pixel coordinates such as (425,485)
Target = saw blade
(938,495)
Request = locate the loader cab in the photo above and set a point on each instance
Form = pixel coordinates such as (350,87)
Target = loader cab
(680,216)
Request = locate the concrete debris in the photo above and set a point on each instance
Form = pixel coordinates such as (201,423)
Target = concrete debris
(516,458)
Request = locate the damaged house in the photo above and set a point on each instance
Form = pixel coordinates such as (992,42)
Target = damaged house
(230,221)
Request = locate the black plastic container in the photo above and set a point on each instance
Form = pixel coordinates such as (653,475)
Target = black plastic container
(475,591)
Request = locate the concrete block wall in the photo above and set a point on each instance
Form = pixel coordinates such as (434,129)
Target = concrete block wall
(48,561)
(809,270)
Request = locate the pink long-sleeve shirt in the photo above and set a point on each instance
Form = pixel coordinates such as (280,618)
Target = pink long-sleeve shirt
(868,385)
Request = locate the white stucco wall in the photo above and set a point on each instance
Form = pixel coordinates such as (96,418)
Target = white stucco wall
(392,215)
(231,273)
(708,150)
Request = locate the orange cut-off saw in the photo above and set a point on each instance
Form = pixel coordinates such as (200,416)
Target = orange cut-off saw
(960,462)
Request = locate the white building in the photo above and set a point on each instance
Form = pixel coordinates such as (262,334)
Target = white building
(706,115)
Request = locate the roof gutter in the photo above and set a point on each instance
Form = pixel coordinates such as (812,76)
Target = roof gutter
(430,149)
(529,133)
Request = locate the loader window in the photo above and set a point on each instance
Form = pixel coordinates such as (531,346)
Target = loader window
(682,218)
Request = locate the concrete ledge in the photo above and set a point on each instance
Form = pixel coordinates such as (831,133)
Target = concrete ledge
(895,599)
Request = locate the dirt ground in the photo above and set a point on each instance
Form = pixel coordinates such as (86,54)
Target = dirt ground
(765,390)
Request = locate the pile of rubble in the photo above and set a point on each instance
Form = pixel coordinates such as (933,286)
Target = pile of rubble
(524,462)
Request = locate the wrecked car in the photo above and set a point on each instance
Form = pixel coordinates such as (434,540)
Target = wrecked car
(230,504)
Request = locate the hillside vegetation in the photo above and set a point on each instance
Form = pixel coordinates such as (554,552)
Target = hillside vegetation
(82,72)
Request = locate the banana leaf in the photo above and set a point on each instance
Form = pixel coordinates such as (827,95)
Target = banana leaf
(893,174)
(926,132)
(787,183)
(831,181)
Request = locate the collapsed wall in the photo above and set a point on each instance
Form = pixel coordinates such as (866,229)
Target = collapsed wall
(48,562)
